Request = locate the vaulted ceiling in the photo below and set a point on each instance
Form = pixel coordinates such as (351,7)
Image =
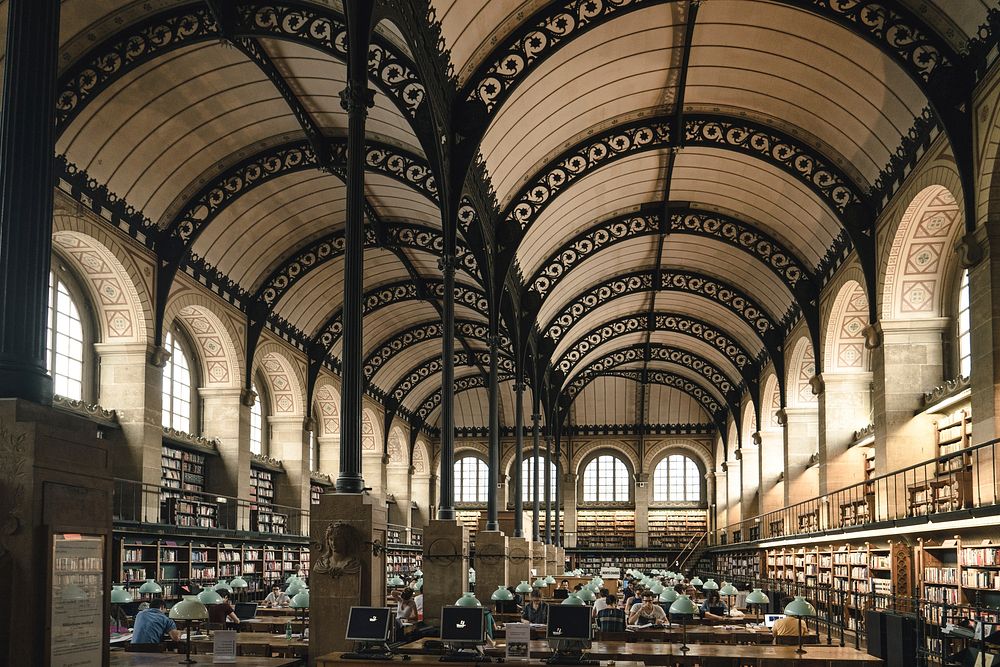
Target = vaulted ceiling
(671,178)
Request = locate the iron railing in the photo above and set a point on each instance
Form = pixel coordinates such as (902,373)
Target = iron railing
(958,481)
(139,503)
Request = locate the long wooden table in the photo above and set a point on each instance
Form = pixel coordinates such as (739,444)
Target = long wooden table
(335,659)
(708,634)
(263,641)
(146,659)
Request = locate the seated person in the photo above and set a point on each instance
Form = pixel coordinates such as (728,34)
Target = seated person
(222,612)
(562,592)
(418,600)
(611,618)
(277,598)
(151,624)
(789,625)
(712,608)
(602,600)
(635,599)
(406,608)
(535,611)
(648,612)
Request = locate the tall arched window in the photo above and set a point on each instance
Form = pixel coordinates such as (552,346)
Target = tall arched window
(64,341)
(256,423)
(313,452)
(964,336)
(528,468)
(605,479)
(471,480)
(177,392)
(677,479)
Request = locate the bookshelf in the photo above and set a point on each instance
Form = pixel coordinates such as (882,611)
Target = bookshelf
(315,491)
(591,562)
(950,488)
(471,520)
(605,529)
(263,518)
(673,529)
(739,566)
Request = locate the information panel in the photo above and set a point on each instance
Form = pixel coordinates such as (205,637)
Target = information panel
(77,600)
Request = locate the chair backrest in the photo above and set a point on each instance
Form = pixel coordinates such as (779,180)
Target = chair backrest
(788,640)
(145,648)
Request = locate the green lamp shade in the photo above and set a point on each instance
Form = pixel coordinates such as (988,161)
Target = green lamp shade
(728,589)
(683,605)
(574,600)
(523,587)
(119,595)
(418,584)
(418,573)
(710,585)
(757,596)
(223,585)
(668,595)
(656,588)
(395,580)
(800,607)
(150,588)
(301,600)
(467,600)
(189,609)
(209,596)
(238,583)
(292,577)
(294,588)
(501,593)
(697,582)
(586,594)
(549,580)
(539,583)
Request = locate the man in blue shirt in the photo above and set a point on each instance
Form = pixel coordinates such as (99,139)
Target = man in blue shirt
(151,624)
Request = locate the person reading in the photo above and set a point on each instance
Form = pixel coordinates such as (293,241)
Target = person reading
(712,609)
(562,592)
(222,612)
(152,624)
(277,598)
(611,618)
(535,611)
(648,612)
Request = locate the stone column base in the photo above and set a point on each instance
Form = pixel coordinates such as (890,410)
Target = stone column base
(491,564)
(538,563)
(519,565)
(445,566)
(550,560)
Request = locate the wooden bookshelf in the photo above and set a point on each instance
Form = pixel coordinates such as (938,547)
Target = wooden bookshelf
(743,567)
(591,562)
(605,529)
(674,529)
(403,561)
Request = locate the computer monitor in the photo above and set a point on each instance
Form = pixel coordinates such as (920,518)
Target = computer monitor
(769,619)
(463,625)
(368,624)
(560,594)
(506,606)
(246,611)
(568,622)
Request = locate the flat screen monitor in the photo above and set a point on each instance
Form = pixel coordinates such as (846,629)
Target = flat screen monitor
(769,619)
(368,624)
(506,606)
(246,611)
(568,622)
(463,625)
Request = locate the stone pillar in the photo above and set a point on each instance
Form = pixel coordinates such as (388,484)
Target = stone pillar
(519,482)
(538,562)
(984,320)
(771,462)
(421,488)
(398,484)
(569,508)
(712,504)
(801,442)
(373,469)
(357,577)
(749,459)
(560,561)
(844,407)
(329,454)
(290,444)
(445,565)
(550,561)
(642,494)
(227,418)
(55,473)
(27,144)
(734,496)
(519,565)
(492,569)
(721,498)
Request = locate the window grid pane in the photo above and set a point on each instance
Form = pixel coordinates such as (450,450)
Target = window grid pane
(64,341)
(471,481)
(528,467)
(605,479)
(964,336)
(676,479)
(256,424)
(176,387)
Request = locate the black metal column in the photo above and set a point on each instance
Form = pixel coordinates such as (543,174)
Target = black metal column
(518,457)
(548,484)
(27,146)
(494,452)
(356,99)
(446,504)
(536,416)
(558,498)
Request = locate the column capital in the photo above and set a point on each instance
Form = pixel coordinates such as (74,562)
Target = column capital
(446,262)
(357,99)
(159,356)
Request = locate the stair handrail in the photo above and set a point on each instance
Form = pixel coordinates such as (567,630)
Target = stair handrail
(682,559)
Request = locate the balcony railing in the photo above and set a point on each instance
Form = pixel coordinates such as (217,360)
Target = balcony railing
(138,503)
(959,483)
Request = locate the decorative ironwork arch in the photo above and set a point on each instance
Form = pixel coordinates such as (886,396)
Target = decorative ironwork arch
(331,246)
(461,384)
(653,376)
(391,70)
(424,370)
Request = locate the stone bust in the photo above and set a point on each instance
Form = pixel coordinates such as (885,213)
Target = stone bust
(338,551)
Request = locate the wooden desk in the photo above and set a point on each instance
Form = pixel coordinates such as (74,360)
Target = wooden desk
(277,611)
(263,641)
(335,659)
(144,659)
(272,624)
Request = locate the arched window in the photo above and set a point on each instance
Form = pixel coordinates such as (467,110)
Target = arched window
(677,479)
(256,423)
(177,392)
(313,452)
(605,479)
(528,468)
(64,341)
(471,480)
(964,337)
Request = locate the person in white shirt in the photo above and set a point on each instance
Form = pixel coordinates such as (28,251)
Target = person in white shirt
(648,612)
(277,598)
(601,602)
(418,600)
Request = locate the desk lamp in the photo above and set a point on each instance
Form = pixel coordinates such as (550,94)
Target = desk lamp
(656,588)
(549,580)
(418,585)
(800,608)
(418,573)
(668,597)
(301,603)
(697,582)
(150,588)
(709,585)
(574,600)
(586,594)
(223,585)
(684,607)
(239,586)
(294,588)
(728,591)
(523,587)
(208,596)
(539,583)
(120,596)
(468,600)
(757,598)
(501,594)
(395,581)
(189,609)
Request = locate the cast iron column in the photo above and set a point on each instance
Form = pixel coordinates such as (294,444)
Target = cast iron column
(535,491)
(446,504)
(356,99)
(518,457)
(548,484)
(27,146)
(494,453)
(558,540)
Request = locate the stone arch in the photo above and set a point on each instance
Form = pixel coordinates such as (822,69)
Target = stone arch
(371,434)
(507,459)
(770,403)
(327,407)
(212,338)
(921,253)
(801,370)
(421,458)
(749,423)
(121,314)
(734,435)
(595,448)
(397,448)
(284,383)
(844,335)
(699,452)
(477,449)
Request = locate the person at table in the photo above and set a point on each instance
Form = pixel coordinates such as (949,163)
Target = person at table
(562,592)
(153,623)
(535,611)
(626,589)
(611,618)
(277,598)
(635,599)
(222,612)
(602,601)
(712,608)
(406,608)
(648,612)
(789,625)
(418,601)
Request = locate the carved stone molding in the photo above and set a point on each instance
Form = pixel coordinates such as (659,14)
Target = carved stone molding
(90,411)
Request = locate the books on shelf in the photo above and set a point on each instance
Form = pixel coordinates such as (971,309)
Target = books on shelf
(605,529)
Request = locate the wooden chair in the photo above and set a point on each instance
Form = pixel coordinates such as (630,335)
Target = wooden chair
(145,648)
(793,640)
